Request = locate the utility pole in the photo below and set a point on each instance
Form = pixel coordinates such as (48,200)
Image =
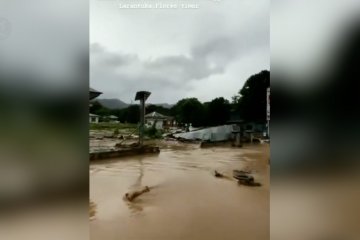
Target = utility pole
(268,111)
(142,96)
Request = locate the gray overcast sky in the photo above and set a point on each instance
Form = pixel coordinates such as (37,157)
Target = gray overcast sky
(176,53)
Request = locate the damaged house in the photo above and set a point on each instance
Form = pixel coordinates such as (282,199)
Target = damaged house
(159,121)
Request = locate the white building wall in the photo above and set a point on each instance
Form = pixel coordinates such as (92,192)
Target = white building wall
(158,125)
(94,119)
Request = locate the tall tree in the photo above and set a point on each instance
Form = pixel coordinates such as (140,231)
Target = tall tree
(251,99)
(159,109)
(218,111)
(130,114)
(189,110)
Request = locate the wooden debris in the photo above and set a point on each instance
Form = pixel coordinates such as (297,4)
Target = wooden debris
(244,178)
(130,196)
(217,174)
(240,172)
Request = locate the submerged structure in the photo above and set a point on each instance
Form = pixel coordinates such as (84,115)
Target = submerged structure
(213,134)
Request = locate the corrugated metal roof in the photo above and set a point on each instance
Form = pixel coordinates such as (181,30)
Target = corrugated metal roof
(93,93)
(156,115)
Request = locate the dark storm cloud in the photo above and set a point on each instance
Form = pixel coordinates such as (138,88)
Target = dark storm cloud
(173,72)
(169,72)
(206,53)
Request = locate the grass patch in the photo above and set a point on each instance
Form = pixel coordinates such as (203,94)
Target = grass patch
(112,126)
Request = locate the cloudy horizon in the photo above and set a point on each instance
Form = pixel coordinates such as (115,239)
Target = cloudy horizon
(204,53)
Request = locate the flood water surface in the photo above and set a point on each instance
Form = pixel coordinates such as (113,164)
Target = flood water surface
(185,200)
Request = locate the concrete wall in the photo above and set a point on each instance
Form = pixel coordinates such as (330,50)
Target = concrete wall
(159,123)
(124,152)
(93,119)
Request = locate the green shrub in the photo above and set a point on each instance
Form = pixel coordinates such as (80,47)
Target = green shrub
(152,132)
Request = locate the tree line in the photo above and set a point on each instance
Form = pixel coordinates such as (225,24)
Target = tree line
(249,104)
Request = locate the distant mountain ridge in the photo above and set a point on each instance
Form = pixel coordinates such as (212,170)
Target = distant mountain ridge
(164,105)
(114,103)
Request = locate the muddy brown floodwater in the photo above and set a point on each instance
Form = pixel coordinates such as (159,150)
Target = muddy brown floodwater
(185,201)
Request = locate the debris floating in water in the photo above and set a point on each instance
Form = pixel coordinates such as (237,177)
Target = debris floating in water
(130,196)
(244,178)
(92,210)
(217,174)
